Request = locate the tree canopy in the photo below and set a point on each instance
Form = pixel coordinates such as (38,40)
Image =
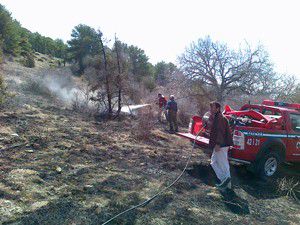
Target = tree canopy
(220,71)
(16,40)
(85,41)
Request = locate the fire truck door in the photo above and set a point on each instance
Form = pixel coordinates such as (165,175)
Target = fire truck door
(293,151)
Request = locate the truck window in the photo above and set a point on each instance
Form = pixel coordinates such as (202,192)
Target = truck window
(295,122)
(251,108)
(267,112)
(277,113)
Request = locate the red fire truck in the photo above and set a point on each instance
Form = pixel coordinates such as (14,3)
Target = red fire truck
(264,135)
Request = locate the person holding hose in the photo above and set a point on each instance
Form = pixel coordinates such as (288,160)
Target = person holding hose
(219,141)
(162,101)
(172,114)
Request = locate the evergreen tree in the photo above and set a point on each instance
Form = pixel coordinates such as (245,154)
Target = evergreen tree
(84,42)
(9,32)
(25,46)
(140,67)
(163,72)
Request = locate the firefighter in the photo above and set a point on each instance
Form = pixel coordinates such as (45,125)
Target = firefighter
(162,102)
(172,114)
(219,141)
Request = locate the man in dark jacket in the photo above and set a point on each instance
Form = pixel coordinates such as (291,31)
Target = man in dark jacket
(172,114)
(219,141)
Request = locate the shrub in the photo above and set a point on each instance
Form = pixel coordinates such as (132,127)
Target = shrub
(149,83)
(183,117)
(1,55)
(4,95)
(29,61)
(37,87)
(75,70)
(145,123)
(289,187)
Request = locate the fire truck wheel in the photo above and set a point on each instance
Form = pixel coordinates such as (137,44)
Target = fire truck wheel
(268,165)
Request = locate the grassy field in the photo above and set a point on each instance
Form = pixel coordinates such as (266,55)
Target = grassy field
(60,167)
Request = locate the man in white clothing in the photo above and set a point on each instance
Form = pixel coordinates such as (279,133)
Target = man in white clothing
(219,141)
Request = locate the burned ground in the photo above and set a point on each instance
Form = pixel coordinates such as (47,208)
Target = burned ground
(60,167)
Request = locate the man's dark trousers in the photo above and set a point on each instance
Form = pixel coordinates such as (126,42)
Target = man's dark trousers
(172,117)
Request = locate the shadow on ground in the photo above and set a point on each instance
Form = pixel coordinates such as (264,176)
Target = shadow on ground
(61,212)
(241,178)
(65,211)
(234,203)
(231,200)
(204,172)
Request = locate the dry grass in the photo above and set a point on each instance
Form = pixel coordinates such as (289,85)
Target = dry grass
(290,188)
(146,121)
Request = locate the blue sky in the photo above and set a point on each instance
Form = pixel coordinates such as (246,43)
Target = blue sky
(164,28)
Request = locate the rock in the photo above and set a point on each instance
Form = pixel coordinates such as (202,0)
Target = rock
(214,194)
(98,210)
(88,189)
(36,145)
(58,169)
(38,205)
(29,151)
(65,144)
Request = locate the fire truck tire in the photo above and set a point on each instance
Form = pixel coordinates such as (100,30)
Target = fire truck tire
(268,165)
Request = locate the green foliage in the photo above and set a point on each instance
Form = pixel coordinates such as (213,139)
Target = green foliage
(139,65)
(29,61)
(16,40)
(3,92)
(46,45)
(9,32)
(163,72)
(1,54)
(149,83)
(24,44)
(85,41)
(60,49)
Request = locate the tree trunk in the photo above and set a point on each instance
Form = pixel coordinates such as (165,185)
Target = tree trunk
(220,96)
(107,84)
(81,66)
(119,79)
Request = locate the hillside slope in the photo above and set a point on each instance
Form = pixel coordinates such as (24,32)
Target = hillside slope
(60,167)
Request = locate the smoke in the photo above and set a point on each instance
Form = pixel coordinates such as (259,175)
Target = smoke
(73,91)
(62,87)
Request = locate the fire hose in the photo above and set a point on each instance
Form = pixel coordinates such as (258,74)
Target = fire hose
(163,190)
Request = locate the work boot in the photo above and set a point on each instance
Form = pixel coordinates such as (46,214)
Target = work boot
(224,183)
(229,185)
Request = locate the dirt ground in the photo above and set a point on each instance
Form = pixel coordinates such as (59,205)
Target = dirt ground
(60,167)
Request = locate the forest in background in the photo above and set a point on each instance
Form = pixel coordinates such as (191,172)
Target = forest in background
(206,71)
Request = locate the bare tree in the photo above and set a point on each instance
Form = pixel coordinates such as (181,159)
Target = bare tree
(107,75)
(287,89)
(220,71)
(118,80)
(112,68)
